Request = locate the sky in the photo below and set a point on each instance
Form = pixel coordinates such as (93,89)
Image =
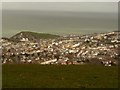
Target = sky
(59,17)
(59,0)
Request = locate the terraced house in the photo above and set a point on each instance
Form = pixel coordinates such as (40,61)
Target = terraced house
(101,48)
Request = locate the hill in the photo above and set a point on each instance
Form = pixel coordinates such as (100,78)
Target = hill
(6,39)
(32,36)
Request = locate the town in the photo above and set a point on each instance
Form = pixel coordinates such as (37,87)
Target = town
(97,48)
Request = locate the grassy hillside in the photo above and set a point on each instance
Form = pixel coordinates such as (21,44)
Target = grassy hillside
(41,35)
(33,36)
(58,76)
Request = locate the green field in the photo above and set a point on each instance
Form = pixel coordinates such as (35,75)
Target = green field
(59,76)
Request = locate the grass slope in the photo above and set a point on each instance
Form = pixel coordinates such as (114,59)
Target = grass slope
(58,76)
(31,35)
(41,35)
